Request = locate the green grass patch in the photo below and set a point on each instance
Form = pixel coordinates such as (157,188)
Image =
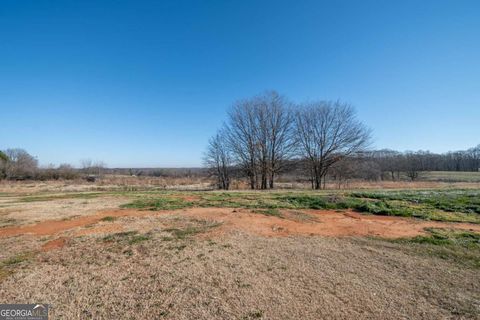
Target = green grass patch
(158,204)
(442,237)
(465,201)
(440,205)
(306,202)
(458,246)
(273,212)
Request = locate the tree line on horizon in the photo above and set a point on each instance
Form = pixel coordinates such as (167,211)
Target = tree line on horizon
(268,135)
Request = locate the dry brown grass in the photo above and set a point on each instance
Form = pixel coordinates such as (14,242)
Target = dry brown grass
(16,212)
(129,183)
(243,276)
(220,263)
(104,183)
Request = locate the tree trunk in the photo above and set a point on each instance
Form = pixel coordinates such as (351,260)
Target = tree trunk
(263,185)
(318,182)
(272,175)
(252,181)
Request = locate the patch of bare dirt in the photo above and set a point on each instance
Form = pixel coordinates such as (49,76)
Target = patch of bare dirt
(52,227)
(54,244)
(323,223)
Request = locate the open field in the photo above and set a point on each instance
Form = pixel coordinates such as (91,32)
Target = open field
(452,176)
(113,252)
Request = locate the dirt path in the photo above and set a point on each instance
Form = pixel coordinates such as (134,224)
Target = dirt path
(298,222)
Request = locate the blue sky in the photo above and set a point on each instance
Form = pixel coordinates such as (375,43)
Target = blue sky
(145,83)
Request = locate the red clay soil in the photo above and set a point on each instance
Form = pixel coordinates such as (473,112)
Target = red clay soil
(54,244)
(318,222)
(324,223)
(51,227)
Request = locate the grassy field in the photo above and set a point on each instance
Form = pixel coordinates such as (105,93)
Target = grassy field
(366,254)
(451,176)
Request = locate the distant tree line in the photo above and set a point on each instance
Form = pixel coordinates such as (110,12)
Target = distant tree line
(391,164)
(18,164)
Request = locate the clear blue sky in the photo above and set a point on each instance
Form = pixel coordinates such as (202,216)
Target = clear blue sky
(145,83)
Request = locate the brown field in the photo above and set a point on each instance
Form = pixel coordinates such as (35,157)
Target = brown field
(73,246)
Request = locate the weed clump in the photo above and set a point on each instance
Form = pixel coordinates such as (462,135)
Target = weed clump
(108,219)
(273,212)
(158,204)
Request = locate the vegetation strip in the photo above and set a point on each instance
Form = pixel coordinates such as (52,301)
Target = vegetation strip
(462,247)
(438,205)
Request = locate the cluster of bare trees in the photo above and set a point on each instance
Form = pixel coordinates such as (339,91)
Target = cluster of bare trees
(395,166)
(266,134)
(257,138)
(92,167)
(18,164)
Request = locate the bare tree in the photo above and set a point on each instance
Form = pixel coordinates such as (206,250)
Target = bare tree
(260,136)
(93,168)
(86,164)
(20,164)
(412,163)
(277,130)
(98,167)
(326,133)
(242,139)
(343,171)
(389,162)
(219,160)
